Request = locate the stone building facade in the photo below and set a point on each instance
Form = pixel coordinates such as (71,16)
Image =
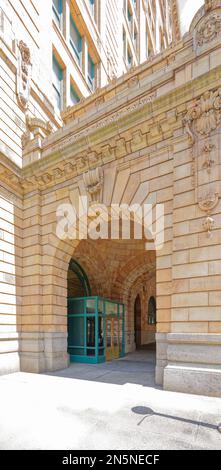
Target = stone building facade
(151,136)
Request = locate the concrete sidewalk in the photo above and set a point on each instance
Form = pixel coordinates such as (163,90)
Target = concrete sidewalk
(108,406)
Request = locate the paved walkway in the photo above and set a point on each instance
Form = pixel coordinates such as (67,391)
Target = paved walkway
(137,368)
(109,406)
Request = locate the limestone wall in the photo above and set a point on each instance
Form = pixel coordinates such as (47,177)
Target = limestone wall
(10,279)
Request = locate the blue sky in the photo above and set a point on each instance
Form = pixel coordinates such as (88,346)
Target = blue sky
(188,8)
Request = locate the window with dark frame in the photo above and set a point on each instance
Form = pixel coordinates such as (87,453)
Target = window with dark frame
(57,8)
(74,98)
(152,311)
(57,83)
(91,73)
(76,41)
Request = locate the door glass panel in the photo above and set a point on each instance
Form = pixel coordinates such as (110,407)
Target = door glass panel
(91,332)
(108,340)
(111,309)
(121,335)
(91,306)
(115,334)
(76,307)
(76,331)
(90,336)
(101,307)
(100,332)
(121,310)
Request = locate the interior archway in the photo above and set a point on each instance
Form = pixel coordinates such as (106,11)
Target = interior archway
(120,270)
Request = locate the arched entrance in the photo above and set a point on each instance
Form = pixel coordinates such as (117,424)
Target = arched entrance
(95,324)
(137,322)
(123,273)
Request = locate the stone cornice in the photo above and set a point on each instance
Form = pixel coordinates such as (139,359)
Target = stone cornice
(153,121)
(156,120)
(153,118)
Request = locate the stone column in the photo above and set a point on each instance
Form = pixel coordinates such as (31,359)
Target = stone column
(193,350)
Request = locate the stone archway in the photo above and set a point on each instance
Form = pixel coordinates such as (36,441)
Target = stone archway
(117,269)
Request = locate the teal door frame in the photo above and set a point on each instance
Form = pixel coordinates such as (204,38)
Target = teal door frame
(80,310)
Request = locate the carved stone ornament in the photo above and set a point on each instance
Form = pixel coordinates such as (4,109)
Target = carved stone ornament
(209,202)
(209,162)
(93,181)
(209,30)
(23,74)
(205,116)
(211,4)
(208,224)
(35,127)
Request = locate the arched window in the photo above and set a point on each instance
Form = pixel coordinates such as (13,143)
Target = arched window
(75,267)
(152,311)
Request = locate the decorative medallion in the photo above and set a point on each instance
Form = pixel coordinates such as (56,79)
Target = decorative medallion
(209,30)
(208,202)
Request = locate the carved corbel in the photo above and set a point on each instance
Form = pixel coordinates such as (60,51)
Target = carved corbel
(107,153)
(208,224)
(121,149)
(138,140)
(93,181)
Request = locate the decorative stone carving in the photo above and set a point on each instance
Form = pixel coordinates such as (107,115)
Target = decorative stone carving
(133,81)
(201,121)
(139,140)
(208,202)
(209,30)
(107,154)
(208,224)
(93,181)
(211,4)
(205,116)
(209,162)
(36,128)
(23,74)
(121,149)
(82,163)
(93,158)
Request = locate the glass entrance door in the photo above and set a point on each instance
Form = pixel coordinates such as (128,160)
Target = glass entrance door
(112,339)
(95,330)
